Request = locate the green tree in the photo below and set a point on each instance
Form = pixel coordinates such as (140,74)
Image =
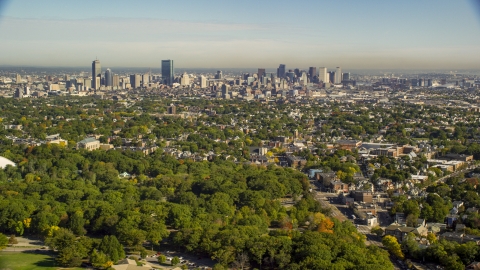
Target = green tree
(392,245)
(99,259)
(112,248)
(175,260)
(162,259)
(3,241)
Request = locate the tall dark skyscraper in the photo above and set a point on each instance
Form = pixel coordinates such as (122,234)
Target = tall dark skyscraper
(108,77)
(281,71)
(346,76)
(312,71)
(96,74)
(261,72)
(167,72)
(331,76)
(297,72)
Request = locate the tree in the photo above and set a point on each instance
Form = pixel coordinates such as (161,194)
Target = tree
(377,230)
(162,259)
(392,245)
(12,240)
(241,262)
(3,241)
(175,260)
(112,248)
(143,253)
(61,239)
(99,259)
(432,238)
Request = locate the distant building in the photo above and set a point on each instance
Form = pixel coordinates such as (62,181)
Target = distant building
(89,144)
(322,75)
(331,76)
(185,79)
(145,79)
(261,73)
(108,77)
(203,81)
(171,109)
(312,72)
(116,81)
(167,72)
(225,93)
(18,93)
(96,74)
(338,75)
(281,71)
(219,75)
(135,80)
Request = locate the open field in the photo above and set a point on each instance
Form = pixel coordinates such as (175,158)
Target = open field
(27,261)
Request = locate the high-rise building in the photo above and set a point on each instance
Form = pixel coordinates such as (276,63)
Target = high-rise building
(281,71)
(171,109)
(312,71)
(146,79)
(219,75)
(429,82)
(414,82)
(304,78)
(96,73)
(338,75)
(167,72)
(261,73)
(297,72)
(346,76)
(185,79)
(322,75)
(290,75)
(331,76)
(19,78)
(203,81)
(116,81)
(108,77)
(225,90)
(135,80)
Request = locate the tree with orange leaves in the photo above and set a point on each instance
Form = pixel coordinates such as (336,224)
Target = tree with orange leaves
(326,225)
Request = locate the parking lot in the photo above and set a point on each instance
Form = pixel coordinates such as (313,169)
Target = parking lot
(192,262)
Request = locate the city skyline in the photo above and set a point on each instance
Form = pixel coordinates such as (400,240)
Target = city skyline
(367,35)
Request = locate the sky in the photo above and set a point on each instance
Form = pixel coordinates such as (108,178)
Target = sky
(367,34)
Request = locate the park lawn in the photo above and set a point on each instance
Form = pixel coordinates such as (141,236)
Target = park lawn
(27,261)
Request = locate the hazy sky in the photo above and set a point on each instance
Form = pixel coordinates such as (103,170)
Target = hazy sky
(369,34)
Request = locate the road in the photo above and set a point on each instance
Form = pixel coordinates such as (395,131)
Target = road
(325,198)
(468,169)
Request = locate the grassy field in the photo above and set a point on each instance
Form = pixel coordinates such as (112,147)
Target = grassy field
(27,261)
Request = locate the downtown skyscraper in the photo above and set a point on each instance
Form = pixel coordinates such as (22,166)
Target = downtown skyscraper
(338,76)
(322,75)
(96,74)
(167,72)
(281,71)
(108,77)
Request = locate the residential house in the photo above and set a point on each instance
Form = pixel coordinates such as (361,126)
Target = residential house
(460,237)
(401,231)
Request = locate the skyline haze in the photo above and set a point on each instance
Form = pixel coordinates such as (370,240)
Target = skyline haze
(222,34)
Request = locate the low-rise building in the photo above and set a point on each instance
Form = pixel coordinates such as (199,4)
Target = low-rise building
(89,144)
